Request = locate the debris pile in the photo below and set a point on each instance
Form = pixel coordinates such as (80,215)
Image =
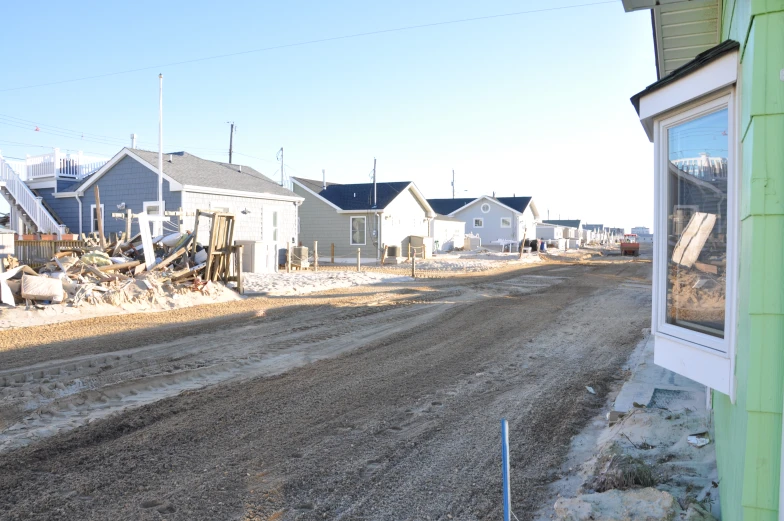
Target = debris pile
(141,269)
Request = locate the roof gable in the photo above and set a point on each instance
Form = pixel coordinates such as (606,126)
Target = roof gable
(450,206)
(359,196)
(182,169)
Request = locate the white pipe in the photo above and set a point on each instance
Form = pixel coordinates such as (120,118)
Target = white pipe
(160,152)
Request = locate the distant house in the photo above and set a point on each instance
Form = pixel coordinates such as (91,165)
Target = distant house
(494,219)
(362,217)
(573,229)
(598,231)
(264,210)
(448,233)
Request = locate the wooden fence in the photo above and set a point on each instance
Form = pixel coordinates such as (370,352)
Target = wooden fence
(38,253)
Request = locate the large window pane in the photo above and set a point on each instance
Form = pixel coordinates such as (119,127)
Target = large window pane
(696,202)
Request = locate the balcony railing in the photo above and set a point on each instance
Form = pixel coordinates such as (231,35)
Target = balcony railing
(58,165)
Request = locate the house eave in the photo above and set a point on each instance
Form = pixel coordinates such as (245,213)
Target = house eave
(240,193)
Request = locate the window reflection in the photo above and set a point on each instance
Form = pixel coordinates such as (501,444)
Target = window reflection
(697,223)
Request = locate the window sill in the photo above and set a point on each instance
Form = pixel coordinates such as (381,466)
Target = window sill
(711,368)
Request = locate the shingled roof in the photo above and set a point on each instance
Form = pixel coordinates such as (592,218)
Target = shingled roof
(569,223)
(356,196)
(187,169)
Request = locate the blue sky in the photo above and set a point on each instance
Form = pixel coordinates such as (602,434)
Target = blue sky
(535,104)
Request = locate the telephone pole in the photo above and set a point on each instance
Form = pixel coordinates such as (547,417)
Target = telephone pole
(280,156)
(453,183)
(374,184)
(231,139)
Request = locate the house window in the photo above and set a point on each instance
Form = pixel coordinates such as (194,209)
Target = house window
(358,229)
(479,222)
(506,222)
(696,208)
(151,207)
(94,218)
(485,208)
(274,226)
(695,264)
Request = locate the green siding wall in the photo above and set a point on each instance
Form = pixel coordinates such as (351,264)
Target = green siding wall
(748,433)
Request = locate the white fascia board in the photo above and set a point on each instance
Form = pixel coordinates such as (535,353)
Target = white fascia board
(61,195)
(363,212)
(311,192)
(240,193)
(174,186)
(42,183)
(641,5)
(705,80)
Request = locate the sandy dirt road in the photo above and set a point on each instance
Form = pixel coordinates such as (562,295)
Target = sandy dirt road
(379,405)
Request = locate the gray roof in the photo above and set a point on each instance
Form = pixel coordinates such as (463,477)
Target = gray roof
(569,223)
(440,217)
(188,169)
(357,196)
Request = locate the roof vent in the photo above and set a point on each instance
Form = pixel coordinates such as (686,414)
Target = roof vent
(355,194)
(170,158)
(240,168)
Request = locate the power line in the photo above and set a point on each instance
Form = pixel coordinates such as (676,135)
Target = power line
(311,42)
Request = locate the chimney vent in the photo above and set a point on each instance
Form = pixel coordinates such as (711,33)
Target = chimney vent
(170,158)
(133,140)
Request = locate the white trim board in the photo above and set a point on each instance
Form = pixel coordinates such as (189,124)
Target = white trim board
(705,80)
(240,193)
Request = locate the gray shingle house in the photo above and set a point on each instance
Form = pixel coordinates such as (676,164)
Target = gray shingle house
(492,218)
(264,210)
(355,216)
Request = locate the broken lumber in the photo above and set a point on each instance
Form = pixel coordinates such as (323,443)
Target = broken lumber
(121,266)
(168,260)
(706,268)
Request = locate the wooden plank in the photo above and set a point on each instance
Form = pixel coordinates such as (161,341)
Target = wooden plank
(238,268)
(168,260)
(707,268)
(692,240)
(121,266)
(99,217)
(144,228)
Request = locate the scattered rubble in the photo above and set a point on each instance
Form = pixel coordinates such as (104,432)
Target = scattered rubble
(125,271)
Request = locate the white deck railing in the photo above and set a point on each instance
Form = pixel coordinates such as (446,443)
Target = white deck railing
(60,166)
(30,204)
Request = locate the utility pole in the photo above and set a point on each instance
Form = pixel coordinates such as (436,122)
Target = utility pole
(280,156)
(375,199)
(453,183)
(160,153)
(231,140)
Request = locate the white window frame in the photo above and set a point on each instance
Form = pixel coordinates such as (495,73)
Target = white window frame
(481,220)
(482,207)
(351,230)
(701,357)
(506,225)
(147,204)
(92,220)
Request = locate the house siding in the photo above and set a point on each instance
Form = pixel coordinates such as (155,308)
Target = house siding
(748,432)
(67,209)
(491,230)
(321,222)
(255,225)
(449,234)
(128,182)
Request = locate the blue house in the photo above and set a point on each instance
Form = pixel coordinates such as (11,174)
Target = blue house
(264,210)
